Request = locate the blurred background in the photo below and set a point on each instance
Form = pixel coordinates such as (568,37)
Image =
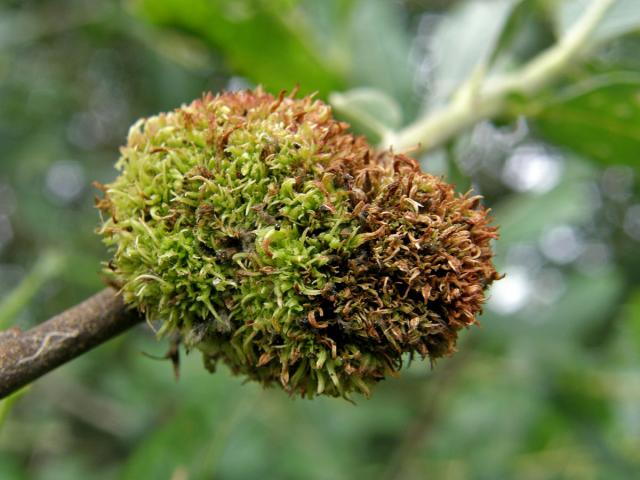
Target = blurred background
(548,387)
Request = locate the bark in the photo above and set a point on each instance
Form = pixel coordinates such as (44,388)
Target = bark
(26,356)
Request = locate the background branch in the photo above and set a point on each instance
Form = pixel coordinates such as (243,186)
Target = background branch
(477,100)
(26,356)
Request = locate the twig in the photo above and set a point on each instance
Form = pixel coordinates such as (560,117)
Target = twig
(476,102)
(25,356)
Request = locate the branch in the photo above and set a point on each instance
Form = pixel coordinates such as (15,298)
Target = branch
(477,102)
(25,356)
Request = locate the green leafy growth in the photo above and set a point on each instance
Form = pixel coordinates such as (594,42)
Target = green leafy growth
(271,239)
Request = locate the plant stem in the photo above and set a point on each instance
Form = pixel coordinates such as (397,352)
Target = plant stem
(477,102)
(25,356)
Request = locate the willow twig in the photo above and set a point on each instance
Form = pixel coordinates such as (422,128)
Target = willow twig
(478,100)
(26,356)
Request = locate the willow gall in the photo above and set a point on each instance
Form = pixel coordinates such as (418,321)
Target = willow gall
(268,237)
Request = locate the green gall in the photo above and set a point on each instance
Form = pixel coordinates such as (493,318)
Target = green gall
(268,237)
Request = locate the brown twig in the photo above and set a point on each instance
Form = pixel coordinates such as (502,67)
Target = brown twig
(25,356)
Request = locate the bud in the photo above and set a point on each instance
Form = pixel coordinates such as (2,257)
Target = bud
(271,239)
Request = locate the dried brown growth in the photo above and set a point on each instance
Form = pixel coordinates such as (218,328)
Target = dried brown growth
(421,274)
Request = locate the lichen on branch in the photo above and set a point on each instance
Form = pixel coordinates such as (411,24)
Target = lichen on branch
(271,239)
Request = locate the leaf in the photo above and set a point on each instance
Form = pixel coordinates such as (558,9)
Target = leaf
(464,42)
(369,110)
(256,38)
(379,45)
(599,118)
(177,47)
(622,18)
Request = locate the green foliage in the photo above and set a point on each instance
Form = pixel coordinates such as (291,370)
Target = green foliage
(463,45)
(373,56)
(320,46)
(283,58)
(595,118)
(270,238)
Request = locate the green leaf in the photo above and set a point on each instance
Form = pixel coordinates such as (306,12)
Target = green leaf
(260,40)
(599,119)
(622,18)
(379,44)
(370,111)
(464,42)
